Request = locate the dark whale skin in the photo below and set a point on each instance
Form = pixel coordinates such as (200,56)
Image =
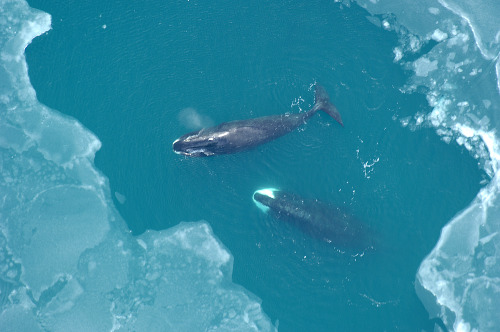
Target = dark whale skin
(318,219)
(241,135)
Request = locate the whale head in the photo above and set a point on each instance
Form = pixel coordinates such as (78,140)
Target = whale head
(264,198)
(196,144)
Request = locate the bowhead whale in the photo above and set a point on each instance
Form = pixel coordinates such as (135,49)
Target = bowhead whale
(240,135)
(318,219)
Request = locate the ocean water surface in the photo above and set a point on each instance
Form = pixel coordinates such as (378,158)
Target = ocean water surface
(105,228)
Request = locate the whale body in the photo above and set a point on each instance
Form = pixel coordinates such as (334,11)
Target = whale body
(240,135)
(318,219)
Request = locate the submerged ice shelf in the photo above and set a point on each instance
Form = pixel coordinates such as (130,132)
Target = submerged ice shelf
(68,262)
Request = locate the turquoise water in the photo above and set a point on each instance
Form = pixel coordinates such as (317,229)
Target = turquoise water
(131,72)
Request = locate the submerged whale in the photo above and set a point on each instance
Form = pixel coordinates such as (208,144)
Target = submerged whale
(318,219)
(236,136)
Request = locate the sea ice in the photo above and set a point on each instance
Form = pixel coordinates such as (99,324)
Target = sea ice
(67,260)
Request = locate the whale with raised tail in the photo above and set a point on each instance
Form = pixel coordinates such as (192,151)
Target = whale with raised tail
(240,135)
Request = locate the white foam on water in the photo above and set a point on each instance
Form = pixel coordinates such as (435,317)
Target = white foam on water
(67,260)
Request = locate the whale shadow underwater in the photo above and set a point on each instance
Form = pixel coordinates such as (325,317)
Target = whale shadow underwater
(241,135)
(319,220)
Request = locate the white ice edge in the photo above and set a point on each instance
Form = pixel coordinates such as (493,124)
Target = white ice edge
(477,36)
(459,273)
(73,301)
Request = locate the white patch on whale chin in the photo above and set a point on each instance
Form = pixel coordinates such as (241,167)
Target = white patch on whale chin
(268,192)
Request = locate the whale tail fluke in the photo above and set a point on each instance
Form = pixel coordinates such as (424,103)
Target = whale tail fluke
(323,103)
